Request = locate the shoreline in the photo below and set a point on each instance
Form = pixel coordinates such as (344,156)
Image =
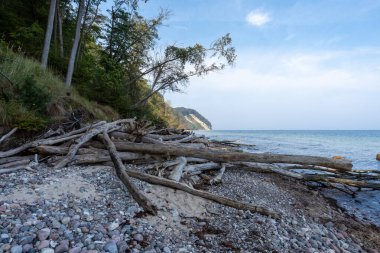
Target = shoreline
(89,197)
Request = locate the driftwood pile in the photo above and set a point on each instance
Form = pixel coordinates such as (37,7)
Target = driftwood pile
(175,158)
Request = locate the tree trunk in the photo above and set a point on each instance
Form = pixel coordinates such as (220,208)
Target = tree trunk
(60,33)
(233,156)
(49,31)
(74,49)
(140,198)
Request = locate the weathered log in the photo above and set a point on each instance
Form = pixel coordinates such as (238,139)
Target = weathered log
(32,144)
(233,156)
(199,168)
(176,173)
(88,136)
(140,198)
(311,177)
(218,199)
(15,158)
(166,137)
(6,136)
(15,163)
(218,178)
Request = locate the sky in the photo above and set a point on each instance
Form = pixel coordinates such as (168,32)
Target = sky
(300,64)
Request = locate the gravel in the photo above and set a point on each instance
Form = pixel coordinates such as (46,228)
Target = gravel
(94,213)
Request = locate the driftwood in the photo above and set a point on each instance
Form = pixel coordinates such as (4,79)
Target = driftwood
(231,156)
(141,199)
(177,172)
(218,178)
(6,136)
(218,199)
(178,157)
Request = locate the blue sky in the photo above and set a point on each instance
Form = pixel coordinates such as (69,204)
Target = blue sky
(301,64)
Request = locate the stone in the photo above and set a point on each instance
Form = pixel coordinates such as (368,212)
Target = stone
(26,240)
(166,250)
(56,224)
(113,226)
(16,249)
(138,237)
(85,230)
(47,250)
(43,234)
(111,247)
(27,248)
(62,247)
(5,238)
(373,251)
(75,250)
(378,157)
(65,220)
(43,244)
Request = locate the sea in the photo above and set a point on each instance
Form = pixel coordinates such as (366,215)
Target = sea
(361,146)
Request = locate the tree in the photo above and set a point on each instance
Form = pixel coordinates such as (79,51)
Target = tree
(171,71)
(49,31)
(74,49)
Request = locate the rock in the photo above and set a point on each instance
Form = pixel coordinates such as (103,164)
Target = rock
(111,247)
(166,250)
(113,226)
(378,157)
(27,248)
(138,237)
(56,224)
(43,244)
(329,224)
(373,251)
(16,249)
(85,230)
(26,240)
(75,250)
(62,247)
(47,250)
(4,238)
(43,234)
(65,220)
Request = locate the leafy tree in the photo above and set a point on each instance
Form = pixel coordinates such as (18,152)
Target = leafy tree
(172,70)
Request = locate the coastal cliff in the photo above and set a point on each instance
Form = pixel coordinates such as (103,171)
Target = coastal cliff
(194,120)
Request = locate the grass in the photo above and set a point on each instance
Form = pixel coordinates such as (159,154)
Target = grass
(35,98)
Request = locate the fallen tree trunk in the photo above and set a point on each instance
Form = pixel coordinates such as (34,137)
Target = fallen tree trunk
(88,136)
(310,177)
(6,136)
(140,198)
(218,199)
(176,173)
(233,156)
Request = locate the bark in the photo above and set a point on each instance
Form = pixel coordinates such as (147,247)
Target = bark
(74,49)
(79,142)
(60,31)
(49,31)
(176,173)
(215,198)
(37,143)
(15,158)
(233,156)
(218,178)
(141,199)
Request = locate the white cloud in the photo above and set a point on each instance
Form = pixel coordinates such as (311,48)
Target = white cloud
(291,90)
(257,18)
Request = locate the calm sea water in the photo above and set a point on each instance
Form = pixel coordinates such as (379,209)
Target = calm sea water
(359,146)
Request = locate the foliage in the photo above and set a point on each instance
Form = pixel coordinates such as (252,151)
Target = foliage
(117,65)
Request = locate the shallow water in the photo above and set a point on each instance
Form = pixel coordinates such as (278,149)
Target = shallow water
(359,146)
